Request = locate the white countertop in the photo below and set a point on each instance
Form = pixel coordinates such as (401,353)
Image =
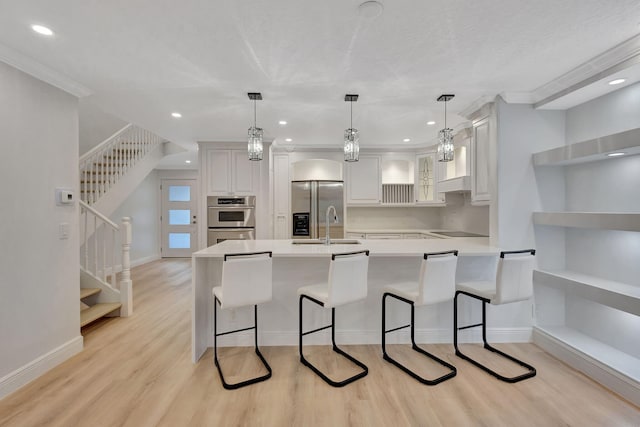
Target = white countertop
(429,232)
(472,246)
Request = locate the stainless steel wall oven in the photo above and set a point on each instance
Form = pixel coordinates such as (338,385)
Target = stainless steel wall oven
(230,218)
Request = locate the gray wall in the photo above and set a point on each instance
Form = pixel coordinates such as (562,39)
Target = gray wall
(39,273)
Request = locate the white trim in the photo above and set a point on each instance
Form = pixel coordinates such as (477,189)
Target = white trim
(353,337)
(42,72)
(468,111)
(37,367)
(145,260)
(618,54)
(518,97)
(603,374)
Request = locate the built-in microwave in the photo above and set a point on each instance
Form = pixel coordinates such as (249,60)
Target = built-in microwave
(231,212)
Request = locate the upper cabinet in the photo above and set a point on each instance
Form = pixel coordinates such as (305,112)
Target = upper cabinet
(364,181)
(230,172)
(482,133)
(427,172)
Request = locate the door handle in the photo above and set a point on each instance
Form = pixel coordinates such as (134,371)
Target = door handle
(194,222)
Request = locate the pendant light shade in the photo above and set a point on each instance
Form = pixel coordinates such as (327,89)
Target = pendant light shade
(445,136)
(254,145)
(351,136)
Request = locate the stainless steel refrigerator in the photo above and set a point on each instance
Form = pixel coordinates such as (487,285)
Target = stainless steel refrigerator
(309,203)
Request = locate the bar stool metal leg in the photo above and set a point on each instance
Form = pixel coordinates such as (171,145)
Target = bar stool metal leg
(257,350)
(305,362)
(452,370)
(531,370)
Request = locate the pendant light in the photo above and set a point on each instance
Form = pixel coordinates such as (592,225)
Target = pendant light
(445,136)
(351,137)
(254,146)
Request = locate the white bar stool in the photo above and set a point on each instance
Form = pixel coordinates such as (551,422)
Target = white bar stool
(514,282)
(246,280)
(437,283)
(347,283)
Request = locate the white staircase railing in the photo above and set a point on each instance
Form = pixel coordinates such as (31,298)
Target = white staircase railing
(103,166)
(103,253)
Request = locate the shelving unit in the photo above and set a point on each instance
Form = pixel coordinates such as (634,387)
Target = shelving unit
(562,293)
(591,150)
(618,295)
(597,220)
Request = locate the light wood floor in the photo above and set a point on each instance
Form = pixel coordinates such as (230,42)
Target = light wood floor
(137,371)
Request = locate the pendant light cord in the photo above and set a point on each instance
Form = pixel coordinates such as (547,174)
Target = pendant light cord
(445,113)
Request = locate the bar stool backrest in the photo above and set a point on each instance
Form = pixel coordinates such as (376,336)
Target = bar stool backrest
(347,278)
(514,280)
(437,278)
(246,279)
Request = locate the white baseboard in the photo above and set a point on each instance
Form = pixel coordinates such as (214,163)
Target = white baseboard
(32,370)
(598,371)
(423,336)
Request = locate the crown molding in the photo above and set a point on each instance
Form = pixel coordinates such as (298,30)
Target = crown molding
(611,61)
(518,97)
(42,72)
(470,109)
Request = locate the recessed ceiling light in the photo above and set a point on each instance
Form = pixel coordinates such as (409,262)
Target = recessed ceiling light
(288,139)
(617,81)
(406,140)
(176,115)
(616,154)
(431,123)
(187,161)
(282,122)
(42,30)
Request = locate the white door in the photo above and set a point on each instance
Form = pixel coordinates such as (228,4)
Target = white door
(179,217)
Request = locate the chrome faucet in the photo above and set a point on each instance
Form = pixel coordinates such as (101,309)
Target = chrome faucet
(327,239)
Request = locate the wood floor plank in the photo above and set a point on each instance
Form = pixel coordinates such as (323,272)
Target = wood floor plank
(137,371)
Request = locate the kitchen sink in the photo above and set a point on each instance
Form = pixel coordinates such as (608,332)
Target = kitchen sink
(321,242)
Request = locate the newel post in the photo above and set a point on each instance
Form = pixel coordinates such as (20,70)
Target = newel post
(126,293)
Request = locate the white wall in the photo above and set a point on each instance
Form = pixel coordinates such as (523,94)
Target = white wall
(143,207)
(39,273)
(392,218)
(609,185)
(95,125)
(460,215)
(523,131)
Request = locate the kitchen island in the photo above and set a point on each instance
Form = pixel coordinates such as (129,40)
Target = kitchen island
(297,265)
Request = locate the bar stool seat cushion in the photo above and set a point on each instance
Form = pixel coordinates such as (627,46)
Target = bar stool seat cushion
(318,292)
(406,290)
(483,289)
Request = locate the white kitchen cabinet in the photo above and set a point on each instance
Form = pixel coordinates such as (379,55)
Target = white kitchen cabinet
(480,155)
(364,181)
(426,182)
(230,172)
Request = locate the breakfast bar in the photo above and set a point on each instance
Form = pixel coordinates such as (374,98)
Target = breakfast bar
(300,264)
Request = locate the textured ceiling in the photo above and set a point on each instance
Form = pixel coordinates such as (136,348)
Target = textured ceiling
(144,59)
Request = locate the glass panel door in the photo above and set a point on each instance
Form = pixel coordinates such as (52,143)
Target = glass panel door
(179,218)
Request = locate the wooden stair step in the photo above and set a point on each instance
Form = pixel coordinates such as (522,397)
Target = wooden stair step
(87,292)
(97,311)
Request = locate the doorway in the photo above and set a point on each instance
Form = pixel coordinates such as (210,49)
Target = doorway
(178,218)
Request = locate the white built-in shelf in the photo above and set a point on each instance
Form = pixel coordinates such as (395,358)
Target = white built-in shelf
(591,150)
(613,358)
(598,220)
(618,295)
(459,183)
